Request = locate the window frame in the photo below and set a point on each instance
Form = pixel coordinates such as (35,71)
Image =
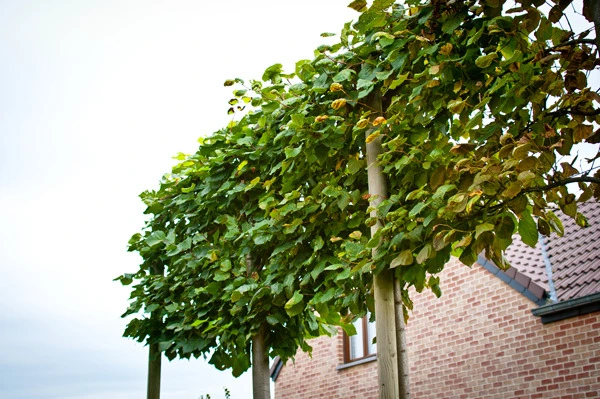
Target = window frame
(365,344)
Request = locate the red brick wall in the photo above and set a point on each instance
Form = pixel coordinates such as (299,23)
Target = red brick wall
(479,340)
(318,378)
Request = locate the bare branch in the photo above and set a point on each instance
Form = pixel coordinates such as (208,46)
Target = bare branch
(564,182)
(575,112)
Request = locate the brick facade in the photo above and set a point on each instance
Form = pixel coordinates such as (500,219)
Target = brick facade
(479,340)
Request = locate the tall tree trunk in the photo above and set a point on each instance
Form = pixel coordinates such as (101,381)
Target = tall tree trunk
(403,366)
(261,384)
(383,283)
(154,365)
(154,356)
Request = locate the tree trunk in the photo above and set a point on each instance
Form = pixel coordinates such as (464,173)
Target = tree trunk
(154,356)
(261,384)
(383,283)
(154,364)
(403,366)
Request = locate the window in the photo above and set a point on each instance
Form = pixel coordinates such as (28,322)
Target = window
(361,345)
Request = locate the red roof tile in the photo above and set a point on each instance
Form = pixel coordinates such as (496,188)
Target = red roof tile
(574,257)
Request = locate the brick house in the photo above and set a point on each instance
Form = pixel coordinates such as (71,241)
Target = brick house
(530,332)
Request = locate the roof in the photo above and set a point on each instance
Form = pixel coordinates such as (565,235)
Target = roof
(574,258)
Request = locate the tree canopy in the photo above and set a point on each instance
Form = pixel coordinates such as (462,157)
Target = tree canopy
(480,105)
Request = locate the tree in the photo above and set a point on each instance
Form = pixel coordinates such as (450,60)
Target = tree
(471,108)
(241,264)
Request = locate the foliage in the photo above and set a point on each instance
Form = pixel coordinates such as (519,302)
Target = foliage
(479,106)
(225,390)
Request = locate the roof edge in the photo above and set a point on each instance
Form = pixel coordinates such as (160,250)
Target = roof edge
(567,309)
(518,281)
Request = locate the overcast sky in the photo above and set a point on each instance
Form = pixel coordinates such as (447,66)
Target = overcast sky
(96,96)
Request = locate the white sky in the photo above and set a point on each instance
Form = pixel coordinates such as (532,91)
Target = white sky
(95,99)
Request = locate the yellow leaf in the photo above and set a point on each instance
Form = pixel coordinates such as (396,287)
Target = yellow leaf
(268,183)
(456,106)
(242,164)
(336,87)
(355,235)
(446,49)
(361,124)
(321,118)
(372,137)
(339,103)
(380,120)
(457,86)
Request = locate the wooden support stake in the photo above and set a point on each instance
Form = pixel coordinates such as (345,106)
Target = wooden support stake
(383,283)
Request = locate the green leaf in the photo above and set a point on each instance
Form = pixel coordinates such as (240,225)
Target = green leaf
(456,106)
(512,190)
(581,220)
(417,209)
(235,296)
(441,191)
(425,253)
(381,5)
(358,5)
(374,241)
(317,243)
(331,191)
(355,165)
(297,120)
(152,307)
(349,329)
(482,228)
(291,152)
(272,73)
(294,300)
(458,202)
(399,80)
(437,178)
(405,258)
(528,229)
(452,22)
(155,238)
(485,61)
(505,227)
(196,323)
(294,305)
(274,319)
(343,75)
(439,240)
(353,249)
